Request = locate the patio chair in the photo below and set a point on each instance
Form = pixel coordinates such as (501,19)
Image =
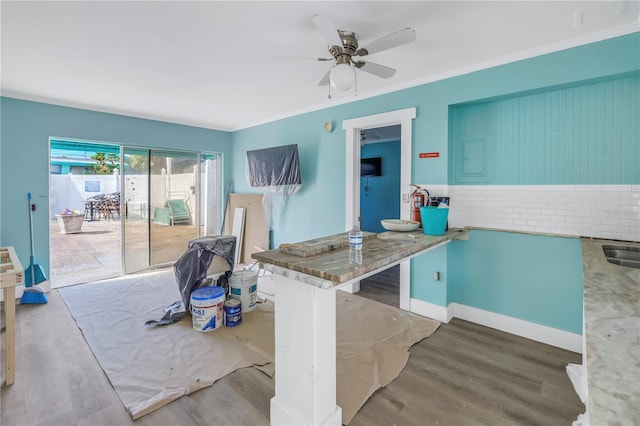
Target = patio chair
(92,207)
(174,211)
(110,206)
(178,211)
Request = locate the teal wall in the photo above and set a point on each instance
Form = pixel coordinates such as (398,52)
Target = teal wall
(531,277)
(588,134)
(380,199)
(318,209)
(24,158)
(423,286)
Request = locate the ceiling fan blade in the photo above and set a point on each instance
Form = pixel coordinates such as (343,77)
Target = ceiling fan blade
(404,36)
(328,29)
(375,69)
(325,79)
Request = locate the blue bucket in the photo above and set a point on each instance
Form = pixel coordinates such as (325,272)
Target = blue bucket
(206,308)
(434,220)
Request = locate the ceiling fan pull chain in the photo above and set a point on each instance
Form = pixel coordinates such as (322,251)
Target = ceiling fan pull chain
(355,83)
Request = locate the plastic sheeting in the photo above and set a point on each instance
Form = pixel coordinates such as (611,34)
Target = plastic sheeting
(277,170)
(191,268)
(271,167)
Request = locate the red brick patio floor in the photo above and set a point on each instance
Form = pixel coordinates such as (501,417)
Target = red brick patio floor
(91,255)
(95,253)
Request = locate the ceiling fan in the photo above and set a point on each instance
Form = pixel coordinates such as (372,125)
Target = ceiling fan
(368,135)
(347,54)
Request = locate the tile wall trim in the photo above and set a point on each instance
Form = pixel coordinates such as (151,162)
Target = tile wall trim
(596,211)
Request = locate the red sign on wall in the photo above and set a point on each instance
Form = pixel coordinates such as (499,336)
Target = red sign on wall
(429,155)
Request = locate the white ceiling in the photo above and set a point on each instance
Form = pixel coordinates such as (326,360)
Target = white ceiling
(212,63)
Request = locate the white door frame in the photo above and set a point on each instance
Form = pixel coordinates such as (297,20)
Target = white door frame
(353,127)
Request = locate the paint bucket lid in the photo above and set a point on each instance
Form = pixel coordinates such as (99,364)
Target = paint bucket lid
(232,303)
(207,293)
(243,276)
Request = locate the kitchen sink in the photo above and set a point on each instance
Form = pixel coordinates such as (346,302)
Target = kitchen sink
(624,256)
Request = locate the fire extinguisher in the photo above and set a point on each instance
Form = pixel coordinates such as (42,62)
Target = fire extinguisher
(417,201)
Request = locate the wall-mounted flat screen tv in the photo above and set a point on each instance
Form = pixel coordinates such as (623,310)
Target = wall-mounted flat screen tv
(275,166)
(371,167)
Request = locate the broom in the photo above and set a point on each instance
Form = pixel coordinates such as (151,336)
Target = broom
(33,294)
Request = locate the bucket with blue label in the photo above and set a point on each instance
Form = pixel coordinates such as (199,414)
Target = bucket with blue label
(206,308)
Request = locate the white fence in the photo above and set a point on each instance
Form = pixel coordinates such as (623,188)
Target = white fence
(70,192)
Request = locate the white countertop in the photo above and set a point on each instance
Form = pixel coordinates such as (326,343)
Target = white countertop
(612,333)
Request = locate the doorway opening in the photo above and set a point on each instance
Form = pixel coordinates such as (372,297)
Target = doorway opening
(84,212)
(379,194)
(134,208)
(354,127)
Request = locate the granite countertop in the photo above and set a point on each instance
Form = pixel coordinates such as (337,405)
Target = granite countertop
(333,265)
(612,332)
(611,306)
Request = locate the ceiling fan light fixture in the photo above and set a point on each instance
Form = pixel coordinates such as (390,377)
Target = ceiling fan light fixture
(342,77)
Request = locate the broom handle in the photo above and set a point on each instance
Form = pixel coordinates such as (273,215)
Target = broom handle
(31,259)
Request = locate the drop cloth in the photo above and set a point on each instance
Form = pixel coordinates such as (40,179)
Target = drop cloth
(151,366)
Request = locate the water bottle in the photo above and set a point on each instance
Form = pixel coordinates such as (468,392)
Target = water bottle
(355,245)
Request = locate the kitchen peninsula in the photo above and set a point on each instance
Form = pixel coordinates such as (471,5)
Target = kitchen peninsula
(306,276)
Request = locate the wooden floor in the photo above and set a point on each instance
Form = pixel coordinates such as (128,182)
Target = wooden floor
(383,287)
(464,374)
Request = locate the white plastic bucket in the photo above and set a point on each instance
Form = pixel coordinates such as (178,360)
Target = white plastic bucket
(243,285)
(206,308)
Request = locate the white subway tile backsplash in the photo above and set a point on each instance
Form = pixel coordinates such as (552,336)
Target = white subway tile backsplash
(599,211)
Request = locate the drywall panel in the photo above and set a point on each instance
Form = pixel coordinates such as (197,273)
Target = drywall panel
(256,225)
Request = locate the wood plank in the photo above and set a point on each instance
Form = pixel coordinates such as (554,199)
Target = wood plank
(11,275)
(9,294)
(11,271)
(256,229)
(320,245)
(238,232)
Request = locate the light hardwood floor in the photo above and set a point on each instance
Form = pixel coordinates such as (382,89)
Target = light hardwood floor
(383,287)
(464,374)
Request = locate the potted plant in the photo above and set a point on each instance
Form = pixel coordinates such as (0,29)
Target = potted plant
(70,221)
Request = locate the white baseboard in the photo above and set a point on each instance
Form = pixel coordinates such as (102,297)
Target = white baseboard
(429,310)
(539,333)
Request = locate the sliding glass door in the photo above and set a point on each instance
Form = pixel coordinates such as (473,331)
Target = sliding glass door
(171,198)
(135,209)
